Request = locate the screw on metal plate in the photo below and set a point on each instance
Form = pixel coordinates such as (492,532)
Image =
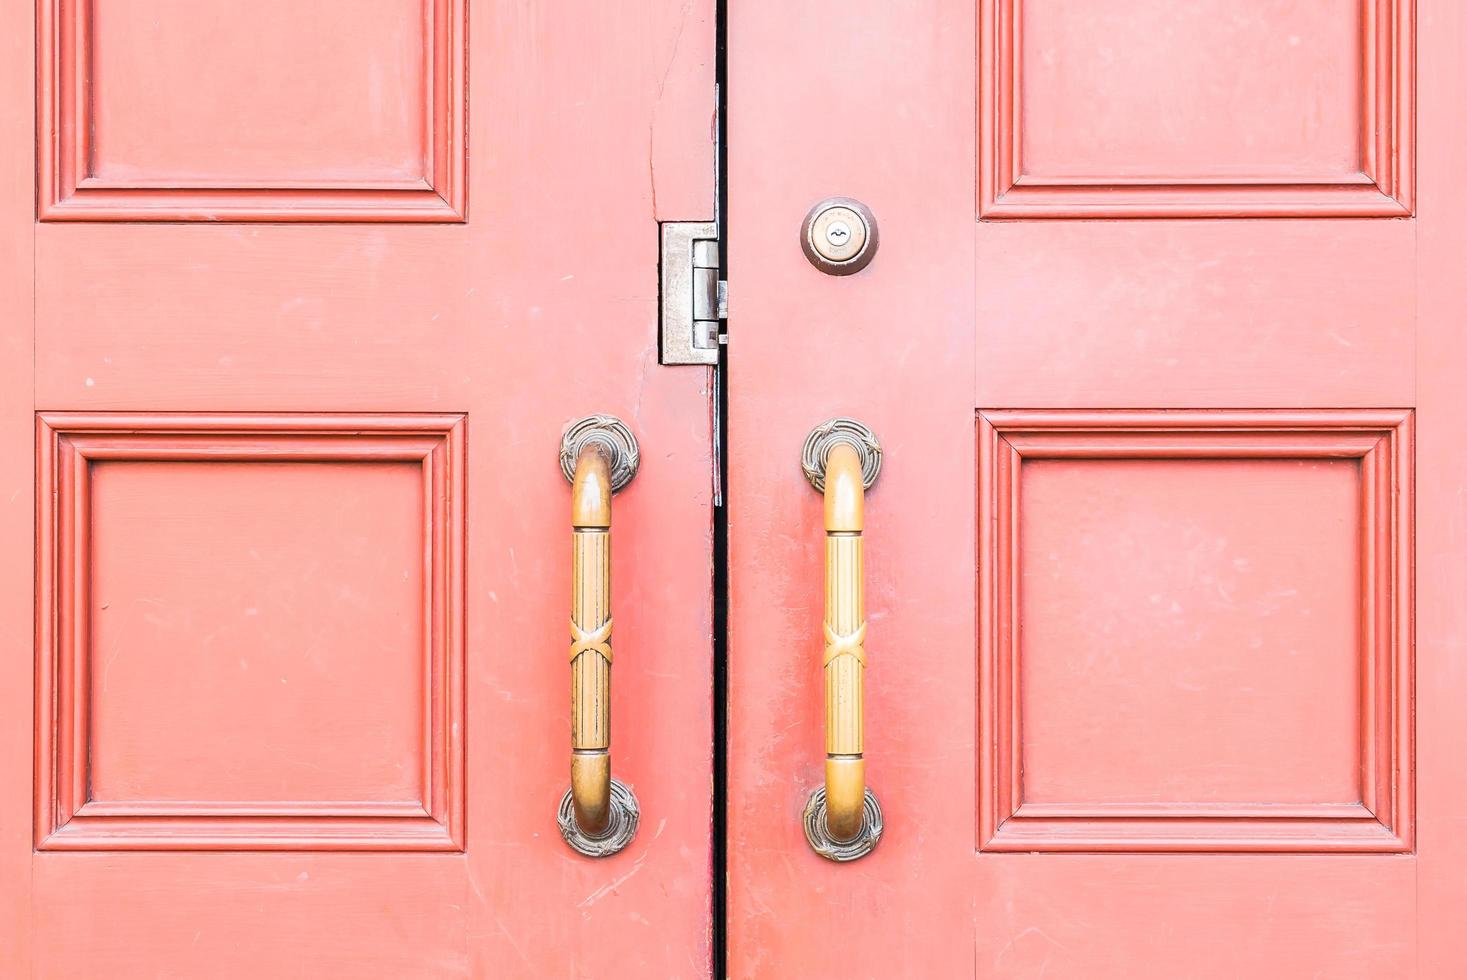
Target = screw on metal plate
(839,236)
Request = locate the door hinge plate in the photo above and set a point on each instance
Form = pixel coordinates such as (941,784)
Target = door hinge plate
(694,299)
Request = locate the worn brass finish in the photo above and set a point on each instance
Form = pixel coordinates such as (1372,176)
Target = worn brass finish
(609,431)
(817,830)
(598,816)
(845,793)
(590,631)
(842,459)
(620,828)
(831,433)
(845,643)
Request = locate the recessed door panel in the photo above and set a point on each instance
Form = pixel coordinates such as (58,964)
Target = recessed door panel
(167,110)
(1121,707)
(1194,631)
(277,557)
(1154,109)
(253,633)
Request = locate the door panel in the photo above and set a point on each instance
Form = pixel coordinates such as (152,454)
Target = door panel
(1142,587)
(311,569)
(1267,109)
(303,570)
(1195,631)
(335,112)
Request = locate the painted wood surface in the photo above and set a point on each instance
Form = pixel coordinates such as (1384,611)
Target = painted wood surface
(271,659)
(269,130)
(1205,448)
(1298,109)
(1441,476)
(881,109)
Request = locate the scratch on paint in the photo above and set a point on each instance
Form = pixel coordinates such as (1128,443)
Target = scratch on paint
(509,935)
(617,882)
(107,668)
(611,885)
(649,360)
(504,930)
(1031,931)
(661,88)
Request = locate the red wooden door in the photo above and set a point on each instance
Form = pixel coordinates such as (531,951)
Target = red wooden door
(1164,568)
(297,302)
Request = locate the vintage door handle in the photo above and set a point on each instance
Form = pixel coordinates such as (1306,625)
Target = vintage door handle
(841,459)
(598,814)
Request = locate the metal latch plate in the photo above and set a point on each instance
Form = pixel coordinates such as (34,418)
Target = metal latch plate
(692,295)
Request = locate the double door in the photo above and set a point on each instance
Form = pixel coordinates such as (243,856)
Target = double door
(1057,573)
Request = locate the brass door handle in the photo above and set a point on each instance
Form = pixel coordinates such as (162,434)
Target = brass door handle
(598,815)
(841,459)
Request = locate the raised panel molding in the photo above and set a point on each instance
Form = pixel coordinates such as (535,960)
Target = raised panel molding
(429,185)
(1380,445)
(1382,186)
(69,448)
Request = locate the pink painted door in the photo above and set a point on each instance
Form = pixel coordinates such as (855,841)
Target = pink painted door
(298,300)
(1166,562)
